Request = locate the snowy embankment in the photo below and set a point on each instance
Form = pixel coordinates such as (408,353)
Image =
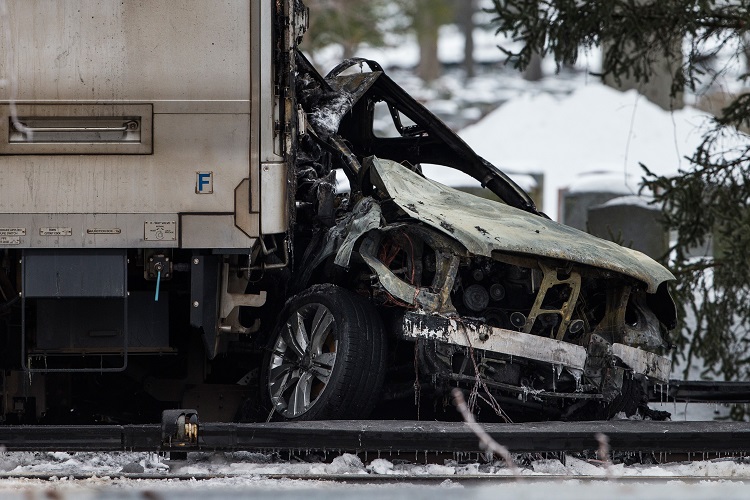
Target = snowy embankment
(254,465)
(240,472)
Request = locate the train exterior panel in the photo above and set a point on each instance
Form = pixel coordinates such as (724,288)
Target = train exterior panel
(138,124)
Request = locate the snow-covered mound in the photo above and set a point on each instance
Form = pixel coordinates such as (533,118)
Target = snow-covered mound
(593,129)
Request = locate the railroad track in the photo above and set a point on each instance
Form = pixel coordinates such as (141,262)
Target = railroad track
(699,391)
(389,437)
(407,436)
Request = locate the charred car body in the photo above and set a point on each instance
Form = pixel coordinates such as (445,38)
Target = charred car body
(281,297)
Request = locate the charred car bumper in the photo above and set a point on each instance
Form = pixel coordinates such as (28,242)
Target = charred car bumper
(523,346)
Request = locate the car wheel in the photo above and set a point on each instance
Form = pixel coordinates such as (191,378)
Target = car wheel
(630,400)
(326,357)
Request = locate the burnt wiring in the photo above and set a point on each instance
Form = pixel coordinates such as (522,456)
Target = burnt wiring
(490,400)
(417,385)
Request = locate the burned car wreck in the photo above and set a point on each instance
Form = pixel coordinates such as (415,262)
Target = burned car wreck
(403,288)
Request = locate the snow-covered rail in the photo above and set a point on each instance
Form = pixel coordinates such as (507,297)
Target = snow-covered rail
(390,437)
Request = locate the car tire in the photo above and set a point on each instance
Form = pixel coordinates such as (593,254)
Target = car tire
(325,359)
(630,400)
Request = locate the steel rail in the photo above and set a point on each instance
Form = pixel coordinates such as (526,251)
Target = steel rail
(700,391)
(372,478)
(391,437)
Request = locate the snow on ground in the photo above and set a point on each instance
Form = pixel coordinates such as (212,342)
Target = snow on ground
(248,472)
(255,465)
(324,490)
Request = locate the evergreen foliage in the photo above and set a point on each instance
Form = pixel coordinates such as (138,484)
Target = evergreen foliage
(352,23)
(349,23)
(707,200)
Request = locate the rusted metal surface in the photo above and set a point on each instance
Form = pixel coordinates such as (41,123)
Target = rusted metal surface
(436,297)
(484,226)
(551,278)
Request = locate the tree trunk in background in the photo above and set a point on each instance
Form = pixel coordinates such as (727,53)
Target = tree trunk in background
(427,37)
(534,71)
(466,10)
(658,88)
(349,50)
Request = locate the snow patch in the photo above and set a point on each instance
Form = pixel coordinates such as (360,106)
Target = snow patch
(603,182)
(646,202)
(594,128)
(380,466)
(346,464)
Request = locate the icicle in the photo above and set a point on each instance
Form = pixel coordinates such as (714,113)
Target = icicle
(667,390)
(577,376)
(554,377)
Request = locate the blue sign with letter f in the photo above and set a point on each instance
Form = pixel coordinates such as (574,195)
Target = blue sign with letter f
(204,183)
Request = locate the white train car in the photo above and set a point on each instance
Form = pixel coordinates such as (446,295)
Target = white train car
(144,148)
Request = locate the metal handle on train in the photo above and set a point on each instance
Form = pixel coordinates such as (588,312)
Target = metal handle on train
(130,125)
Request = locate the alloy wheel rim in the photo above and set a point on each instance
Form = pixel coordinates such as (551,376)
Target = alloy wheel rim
(302,360)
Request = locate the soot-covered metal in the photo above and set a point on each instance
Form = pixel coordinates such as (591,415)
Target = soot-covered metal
(529,314)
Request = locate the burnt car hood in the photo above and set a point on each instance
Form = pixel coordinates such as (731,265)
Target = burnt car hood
(485,226)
